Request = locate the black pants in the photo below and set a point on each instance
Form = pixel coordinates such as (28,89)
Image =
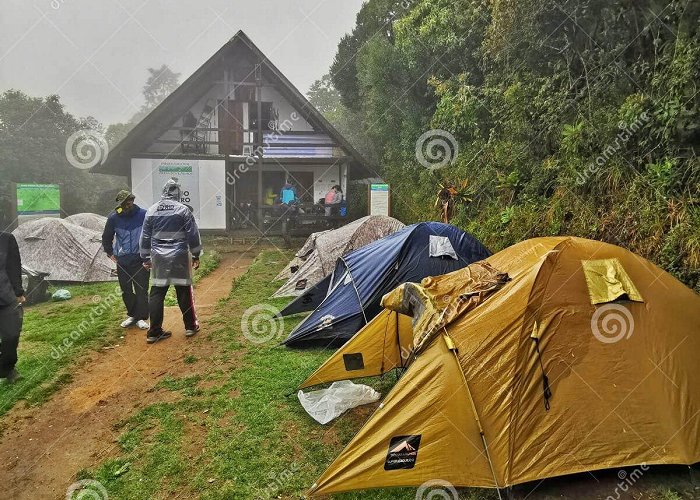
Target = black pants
(10,325)
(185,300)
(133,280)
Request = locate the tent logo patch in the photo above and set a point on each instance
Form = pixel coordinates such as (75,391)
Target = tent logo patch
(403,452)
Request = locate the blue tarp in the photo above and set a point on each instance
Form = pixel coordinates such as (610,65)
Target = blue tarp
(362,277)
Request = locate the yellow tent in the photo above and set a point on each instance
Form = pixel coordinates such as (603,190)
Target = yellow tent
(585,359)
(387,342)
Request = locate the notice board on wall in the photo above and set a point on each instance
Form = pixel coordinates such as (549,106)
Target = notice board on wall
(379,199)
(203,186)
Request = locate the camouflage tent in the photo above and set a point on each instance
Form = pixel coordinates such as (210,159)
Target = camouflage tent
(317,257)
(65,251)
(93,222)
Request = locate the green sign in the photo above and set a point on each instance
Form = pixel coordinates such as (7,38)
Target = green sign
(379,187)
(35,199)
(379,199)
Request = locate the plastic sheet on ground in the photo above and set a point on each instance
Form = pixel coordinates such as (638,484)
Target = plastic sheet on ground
(327,404)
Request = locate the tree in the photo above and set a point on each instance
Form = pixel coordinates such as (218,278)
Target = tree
(324,96)
(375,20)
(33,135)
(569,119)
(161,82)
(159,85)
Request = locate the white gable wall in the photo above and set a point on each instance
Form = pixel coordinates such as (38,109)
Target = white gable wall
(204,186)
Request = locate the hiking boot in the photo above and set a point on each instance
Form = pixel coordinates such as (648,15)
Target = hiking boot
(191,332)
(154,337)
(128,322)
(142,324)
(13,376)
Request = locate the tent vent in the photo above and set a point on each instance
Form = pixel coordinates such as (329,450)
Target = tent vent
(440,246)
(301,284)
(607,281)
(353,361)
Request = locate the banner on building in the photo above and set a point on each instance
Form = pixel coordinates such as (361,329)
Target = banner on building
(187,174)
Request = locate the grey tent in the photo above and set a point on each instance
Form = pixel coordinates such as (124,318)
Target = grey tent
(317,257)
(93,222)
(65,251)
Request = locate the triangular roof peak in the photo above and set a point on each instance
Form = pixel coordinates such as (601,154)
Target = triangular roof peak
(179,101)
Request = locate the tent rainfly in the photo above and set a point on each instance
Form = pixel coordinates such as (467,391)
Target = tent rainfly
(63,250)
(316,259)
(362,277)
(93,222)
(583,358)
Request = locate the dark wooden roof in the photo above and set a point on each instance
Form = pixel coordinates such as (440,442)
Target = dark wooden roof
(190,91)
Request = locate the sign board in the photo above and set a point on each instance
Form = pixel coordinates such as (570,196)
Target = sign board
(37,200)
(187,174)
(203,186)
(379,199)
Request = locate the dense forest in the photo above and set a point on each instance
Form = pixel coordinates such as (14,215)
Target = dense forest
(578,117)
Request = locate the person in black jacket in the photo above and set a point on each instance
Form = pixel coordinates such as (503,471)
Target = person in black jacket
(11,300)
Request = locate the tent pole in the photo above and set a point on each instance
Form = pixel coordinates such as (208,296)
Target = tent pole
(356,292)
(451,347)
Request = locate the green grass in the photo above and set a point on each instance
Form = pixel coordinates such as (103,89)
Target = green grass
(54,334)
(233,432)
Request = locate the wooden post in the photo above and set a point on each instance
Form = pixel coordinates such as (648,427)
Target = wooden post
(259,141)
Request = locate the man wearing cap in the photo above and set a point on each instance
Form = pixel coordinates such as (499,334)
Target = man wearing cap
(120,241)
(170,246)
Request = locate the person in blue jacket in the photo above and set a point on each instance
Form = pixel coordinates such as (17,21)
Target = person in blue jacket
(170,246)
(288,194)
(120,241)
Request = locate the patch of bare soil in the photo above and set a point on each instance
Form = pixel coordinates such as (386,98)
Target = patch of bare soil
(44,448)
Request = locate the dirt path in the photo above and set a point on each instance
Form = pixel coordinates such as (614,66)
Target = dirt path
(45,447)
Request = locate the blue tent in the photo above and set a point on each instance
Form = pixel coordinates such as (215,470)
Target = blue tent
(349,298)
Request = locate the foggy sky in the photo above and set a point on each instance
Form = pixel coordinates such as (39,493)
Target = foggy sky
(94,53)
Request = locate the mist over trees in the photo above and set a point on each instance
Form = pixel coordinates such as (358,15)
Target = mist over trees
(160,83)
(578,118)
(33,136)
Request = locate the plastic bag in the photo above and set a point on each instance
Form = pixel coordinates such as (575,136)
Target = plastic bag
(327,404)
(61,294)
